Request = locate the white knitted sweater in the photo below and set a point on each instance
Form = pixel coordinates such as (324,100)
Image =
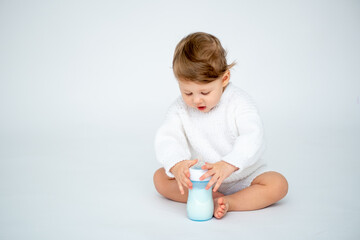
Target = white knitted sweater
(232,131)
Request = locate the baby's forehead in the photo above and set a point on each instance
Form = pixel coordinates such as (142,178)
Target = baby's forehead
(194,86)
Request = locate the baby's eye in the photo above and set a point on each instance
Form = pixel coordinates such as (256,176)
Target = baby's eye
(188,94)
(205,93)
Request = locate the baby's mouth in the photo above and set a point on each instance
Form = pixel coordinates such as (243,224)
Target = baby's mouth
(202,108)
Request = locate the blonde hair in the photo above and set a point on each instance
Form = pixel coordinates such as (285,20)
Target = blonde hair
(200,57)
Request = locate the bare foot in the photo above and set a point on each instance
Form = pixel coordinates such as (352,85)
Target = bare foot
(221,206)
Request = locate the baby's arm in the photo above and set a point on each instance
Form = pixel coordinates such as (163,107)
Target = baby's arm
(249,144)
(247,148)
(171,146)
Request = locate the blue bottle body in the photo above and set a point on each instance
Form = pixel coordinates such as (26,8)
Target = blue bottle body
(200,204)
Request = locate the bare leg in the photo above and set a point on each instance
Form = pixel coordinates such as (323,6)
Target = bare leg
(265,190)
(168,187)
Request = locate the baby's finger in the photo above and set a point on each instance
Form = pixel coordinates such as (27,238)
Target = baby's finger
(206,175)
(188,183)
(184,182)
(193,162)
(217,185)
(187,173)
(180,187)
(207,166)
(211,182)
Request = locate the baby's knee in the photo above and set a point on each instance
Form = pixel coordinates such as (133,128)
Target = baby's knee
(280,186)
(158,175)
(159,179)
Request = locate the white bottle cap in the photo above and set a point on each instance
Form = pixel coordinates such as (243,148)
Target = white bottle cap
(196,173)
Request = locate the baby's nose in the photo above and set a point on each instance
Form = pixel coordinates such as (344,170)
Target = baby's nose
(197,100)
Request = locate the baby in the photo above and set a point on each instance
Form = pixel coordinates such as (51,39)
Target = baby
(215,122)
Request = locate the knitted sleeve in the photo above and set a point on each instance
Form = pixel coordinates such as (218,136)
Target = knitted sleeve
(171,145)
(250,144)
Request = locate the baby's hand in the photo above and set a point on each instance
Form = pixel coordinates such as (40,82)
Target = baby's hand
(219,172)
(182,174)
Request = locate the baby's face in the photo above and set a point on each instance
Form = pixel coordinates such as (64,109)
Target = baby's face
(203,97)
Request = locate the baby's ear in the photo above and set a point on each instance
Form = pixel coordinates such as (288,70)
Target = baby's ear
(226,78)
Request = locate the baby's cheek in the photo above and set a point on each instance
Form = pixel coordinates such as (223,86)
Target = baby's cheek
(216,100)
(188,103)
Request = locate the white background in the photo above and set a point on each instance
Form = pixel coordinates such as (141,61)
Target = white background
(85,84)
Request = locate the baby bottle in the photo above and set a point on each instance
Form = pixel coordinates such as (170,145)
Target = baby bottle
(200,205)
